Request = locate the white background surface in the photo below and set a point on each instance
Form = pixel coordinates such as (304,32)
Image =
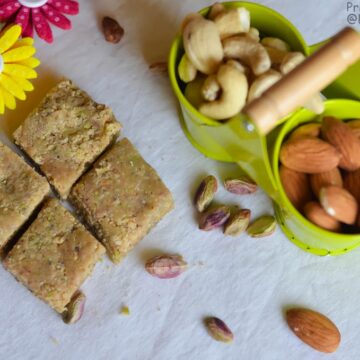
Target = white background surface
(244,281)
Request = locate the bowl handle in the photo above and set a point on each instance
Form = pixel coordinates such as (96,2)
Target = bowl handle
(310,77)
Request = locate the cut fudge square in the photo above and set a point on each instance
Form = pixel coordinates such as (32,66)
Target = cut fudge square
(66,133)
(122,198)
(54,256)
(21,190)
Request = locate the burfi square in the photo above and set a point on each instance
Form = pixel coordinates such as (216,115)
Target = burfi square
(21,190)
(54,256)
(122,198)
(66,133)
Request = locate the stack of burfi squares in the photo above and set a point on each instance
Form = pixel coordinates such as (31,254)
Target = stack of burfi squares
(70,139)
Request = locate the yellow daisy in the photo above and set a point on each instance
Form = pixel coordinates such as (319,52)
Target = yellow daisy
(16,66)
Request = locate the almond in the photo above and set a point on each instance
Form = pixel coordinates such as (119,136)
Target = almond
(317,215)
(296,186)
(309,155)
(346,142)
(355,127)
(332,177)
(314,329)
(339,203)
(311,129)
(352,184)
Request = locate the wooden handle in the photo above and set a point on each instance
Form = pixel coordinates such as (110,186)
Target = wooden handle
(310,77)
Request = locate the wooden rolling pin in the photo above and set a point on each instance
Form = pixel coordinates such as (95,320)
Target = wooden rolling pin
(310,77)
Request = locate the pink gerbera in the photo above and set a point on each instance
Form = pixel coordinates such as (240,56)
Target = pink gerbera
(30,14)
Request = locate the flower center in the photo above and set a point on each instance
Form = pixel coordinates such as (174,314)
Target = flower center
(32,3)
(1,64)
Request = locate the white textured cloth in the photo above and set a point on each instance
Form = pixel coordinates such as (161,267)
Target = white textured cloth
(244,281)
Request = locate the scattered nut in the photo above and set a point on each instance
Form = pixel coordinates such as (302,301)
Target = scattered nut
(159,67)
(124,310)
(187,71)
(205,193)
(211,88)
(214,218)
(276,43)
(248,51)
(337,133)
(215,10)
(234,88)
(320,180)
(339,203)
(233,22)
(296,185)
(166,266)
(112,30)
(262,227)
(74,309)
(238,222)
(310,129)
(203,45)
(309,155)
(219,330)
(263,83)
(240,186)
(317,215)
(314,329)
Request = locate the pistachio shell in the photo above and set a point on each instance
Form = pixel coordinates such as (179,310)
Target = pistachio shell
(214,218)
(166,266)
(205,193)
(262,227)
(219,330)
(75,308)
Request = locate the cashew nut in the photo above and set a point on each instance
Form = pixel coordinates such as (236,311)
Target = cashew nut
(234,88)
(290,62)
(233,22)
(249,52)
(275,43)
(254,33)
(262,83)
(276,56)
(187,71)
(188,18)
(193,91)
(211,88)
(203,45)
(215,10)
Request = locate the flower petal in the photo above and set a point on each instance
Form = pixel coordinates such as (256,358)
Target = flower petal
(18,54)
(30,62)
(69,7)
(26,85)
(12,87)
(8,9)
(56,17)
(23,17)
(23,42)
(29,31)
(41,26)
(9,100)
(19,71)
(9,37)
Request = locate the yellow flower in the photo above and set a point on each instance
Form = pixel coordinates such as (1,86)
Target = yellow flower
(16,66)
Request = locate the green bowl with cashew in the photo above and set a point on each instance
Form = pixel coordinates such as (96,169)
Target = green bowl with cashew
(230,141)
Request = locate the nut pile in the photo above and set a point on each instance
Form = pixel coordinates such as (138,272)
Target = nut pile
(227,64)
(234,221)
(320,173)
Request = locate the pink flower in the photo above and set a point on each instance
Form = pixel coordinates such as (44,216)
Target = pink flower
(30,14)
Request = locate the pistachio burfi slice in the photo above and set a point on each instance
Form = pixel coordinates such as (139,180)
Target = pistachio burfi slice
(66,133)
(54,256)
(21,190)
(122,198)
